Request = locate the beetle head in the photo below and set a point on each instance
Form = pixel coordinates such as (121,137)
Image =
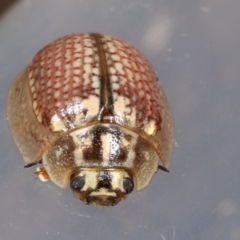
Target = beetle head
(101,187)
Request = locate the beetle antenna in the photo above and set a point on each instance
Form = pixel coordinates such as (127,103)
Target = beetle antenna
(163,168)
(33,164)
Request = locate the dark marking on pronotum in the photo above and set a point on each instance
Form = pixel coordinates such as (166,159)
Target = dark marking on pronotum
(66,147)
(95,151)
(140,147)
(117,153)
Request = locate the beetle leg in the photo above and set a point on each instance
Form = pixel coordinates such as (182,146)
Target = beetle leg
(41,174)
(163,168)
(33,164)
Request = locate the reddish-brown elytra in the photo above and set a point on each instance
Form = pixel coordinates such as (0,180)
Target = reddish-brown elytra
(90,109)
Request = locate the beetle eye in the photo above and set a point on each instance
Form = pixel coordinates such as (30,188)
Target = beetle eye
(77,183)
(128,185)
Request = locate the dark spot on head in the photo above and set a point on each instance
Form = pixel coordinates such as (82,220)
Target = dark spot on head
(104,180)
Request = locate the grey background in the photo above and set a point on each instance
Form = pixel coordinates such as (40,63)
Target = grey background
(194,47)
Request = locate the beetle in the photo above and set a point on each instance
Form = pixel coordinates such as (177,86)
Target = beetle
(90,109)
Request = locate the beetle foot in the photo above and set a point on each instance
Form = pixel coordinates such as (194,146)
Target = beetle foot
(41,174)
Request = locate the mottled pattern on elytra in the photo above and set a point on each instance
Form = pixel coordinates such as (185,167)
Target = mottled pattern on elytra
(65,80)
(62,75)
(136,90)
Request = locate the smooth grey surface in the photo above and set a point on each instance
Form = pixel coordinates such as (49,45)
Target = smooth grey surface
(195,49)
